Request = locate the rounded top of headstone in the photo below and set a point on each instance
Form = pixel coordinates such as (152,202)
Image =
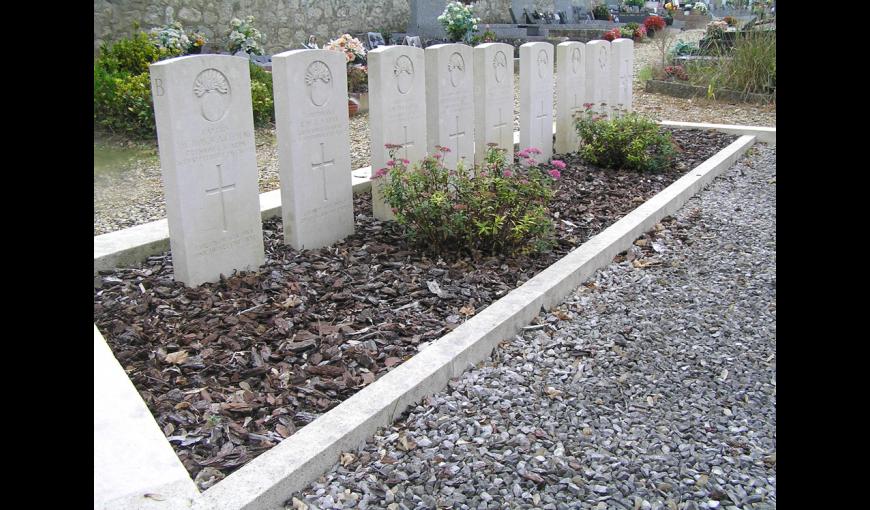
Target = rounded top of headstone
(536,44)
(336,57)
(406,50)
(453,46)
(210,60)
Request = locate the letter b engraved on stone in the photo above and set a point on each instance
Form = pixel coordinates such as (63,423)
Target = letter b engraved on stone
(158,87)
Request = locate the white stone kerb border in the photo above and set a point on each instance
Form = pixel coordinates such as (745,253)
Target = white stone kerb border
(270,479)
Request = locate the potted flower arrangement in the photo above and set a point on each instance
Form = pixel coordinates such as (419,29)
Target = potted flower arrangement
(458,21)
(357,72)
(614,33)
(669,13)
(171,38)
(197,41)
(654,24)
(244,37)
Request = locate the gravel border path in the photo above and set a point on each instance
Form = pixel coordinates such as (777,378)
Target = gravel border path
(653,386)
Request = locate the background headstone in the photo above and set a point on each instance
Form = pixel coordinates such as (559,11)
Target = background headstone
(413,41)
(311,122)
(621,74)
(397,110)
(423,20)
(493,99)
(205,134)
(536,98)
(450,102)
(375,39)
(570,93)
(597,75)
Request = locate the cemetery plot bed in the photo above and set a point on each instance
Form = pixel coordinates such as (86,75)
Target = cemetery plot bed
(230,369)
(685,90)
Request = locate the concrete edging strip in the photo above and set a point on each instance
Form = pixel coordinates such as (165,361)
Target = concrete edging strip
(268,481)
(762,134)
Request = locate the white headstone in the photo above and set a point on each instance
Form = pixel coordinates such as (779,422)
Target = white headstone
(621,73)
(311,120)
(205,132)
(536,98)
(598,75)
(397,110)
(570,93)
(450,102)
(493,99)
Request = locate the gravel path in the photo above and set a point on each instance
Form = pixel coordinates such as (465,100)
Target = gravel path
(653,386)
(135,195)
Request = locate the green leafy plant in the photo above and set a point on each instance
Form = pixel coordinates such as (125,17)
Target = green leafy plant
(122,87)
(499,208)
(601,12)
(132,55)
(122,103)
(458,21)
(628,141)
(262,98)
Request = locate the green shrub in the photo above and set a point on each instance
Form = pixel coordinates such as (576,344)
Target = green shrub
(499,209)
(262,98)
(122,103)
(628,141)
(133,55)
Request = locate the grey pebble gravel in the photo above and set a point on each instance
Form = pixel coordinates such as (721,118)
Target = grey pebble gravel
(652,386)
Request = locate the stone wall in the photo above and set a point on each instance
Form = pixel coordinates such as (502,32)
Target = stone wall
(285,24)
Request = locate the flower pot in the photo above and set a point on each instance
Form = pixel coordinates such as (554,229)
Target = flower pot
(196,50)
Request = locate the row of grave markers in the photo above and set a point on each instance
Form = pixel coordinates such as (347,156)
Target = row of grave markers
(450,95)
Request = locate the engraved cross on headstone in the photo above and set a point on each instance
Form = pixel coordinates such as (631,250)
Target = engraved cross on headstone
(220,190)
(322,166)
(407,143)
(541,117)
(498,126)
(456,136)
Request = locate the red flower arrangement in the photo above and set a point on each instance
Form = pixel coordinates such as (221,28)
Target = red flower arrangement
(654,23)
(610,35)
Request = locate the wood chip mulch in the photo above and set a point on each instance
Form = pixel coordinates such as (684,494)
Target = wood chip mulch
(230,369)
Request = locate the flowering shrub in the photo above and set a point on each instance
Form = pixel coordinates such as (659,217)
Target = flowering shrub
(654,23)
(500,208)
(731,20)
(628,141)
(670,7)
(171,38)
(458,21)
(244,37)
(353,49)
(677,72)
(612,34)
(700,7)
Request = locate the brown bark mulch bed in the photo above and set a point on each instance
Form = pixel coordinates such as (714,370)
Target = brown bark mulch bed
(230,369)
